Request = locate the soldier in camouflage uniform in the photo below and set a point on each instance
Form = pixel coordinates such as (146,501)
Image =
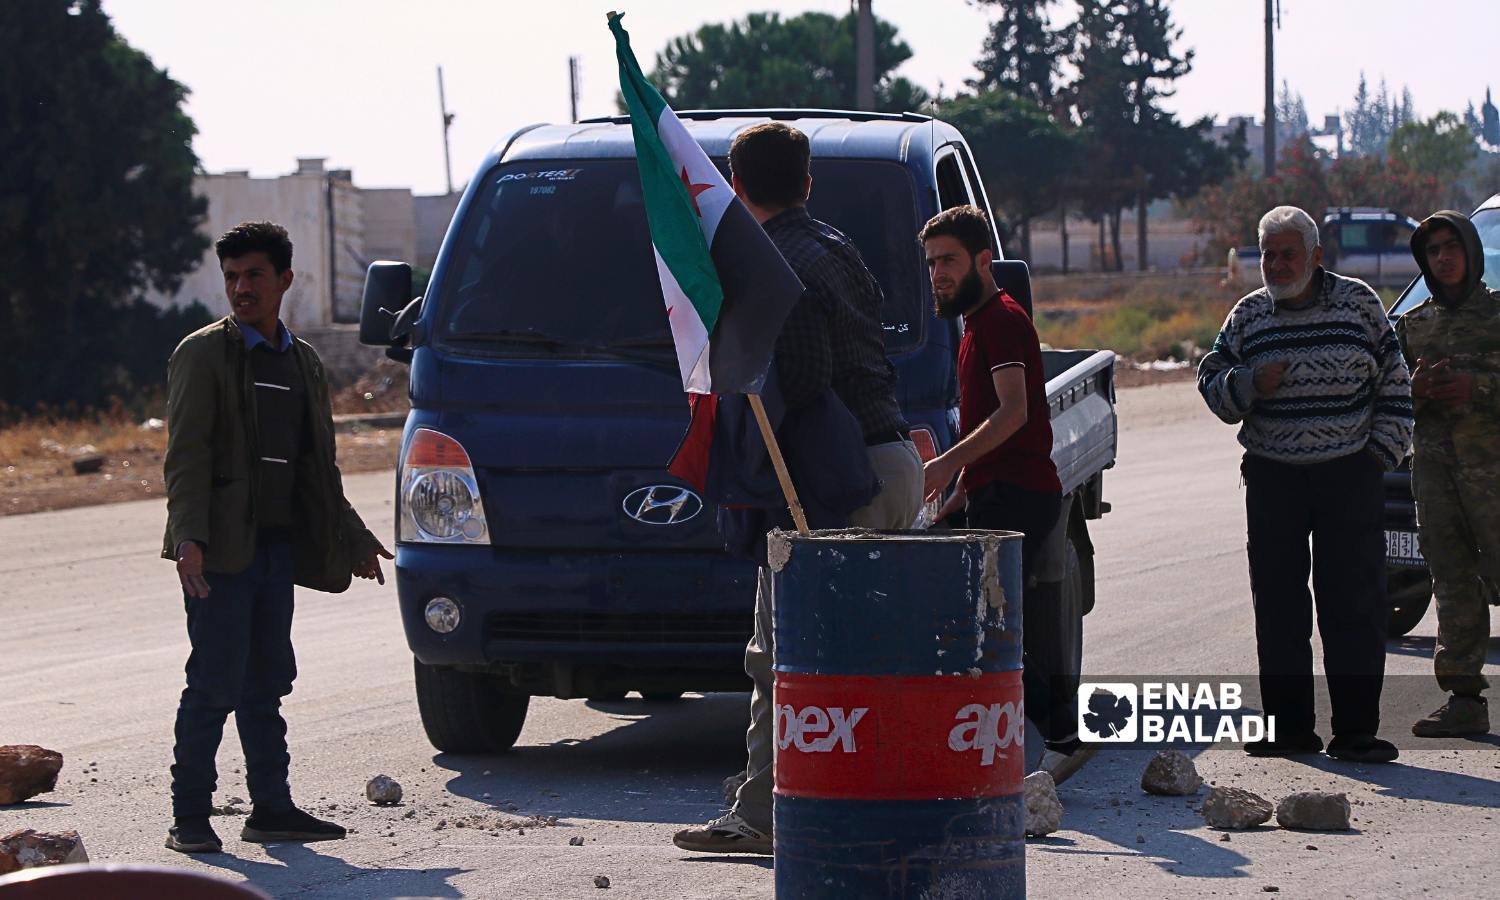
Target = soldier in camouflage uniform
(1453,340)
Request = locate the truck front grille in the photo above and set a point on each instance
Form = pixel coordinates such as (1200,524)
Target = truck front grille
(611,627)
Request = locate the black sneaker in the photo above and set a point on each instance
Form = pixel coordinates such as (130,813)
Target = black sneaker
(193,835)
(1291,745)
(1363,748)
(288,825)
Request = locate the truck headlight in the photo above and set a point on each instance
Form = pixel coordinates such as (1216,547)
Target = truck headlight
(439,494)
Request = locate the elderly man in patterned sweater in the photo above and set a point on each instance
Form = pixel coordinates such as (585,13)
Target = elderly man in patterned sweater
(1310,369)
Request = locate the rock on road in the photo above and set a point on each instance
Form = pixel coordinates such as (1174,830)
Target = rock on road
(92,647)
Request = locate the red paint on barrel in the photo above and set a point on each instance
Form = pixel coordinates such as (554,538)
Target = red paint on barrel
(861,737)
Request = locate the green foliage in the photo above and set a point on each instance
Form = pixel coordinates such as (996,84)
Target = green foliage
(1024,153)
(1441,147)
(1228,212)
(807,61)
(97,166)
(1022,51)
(1126,61)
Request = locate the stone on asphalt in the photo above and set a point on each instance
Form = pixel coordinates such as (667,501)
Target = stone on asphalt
(383,790)
(601,881)
(1171,773)
(27,770)
(28,849)
(1232,807)
(575,841)
(1314,811)
(1043,809)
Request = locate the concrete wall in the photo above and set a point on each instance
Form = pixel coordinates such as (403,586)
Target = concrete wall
(433,213)
(1170,244)
(390,218)
(349,258)
(293,201)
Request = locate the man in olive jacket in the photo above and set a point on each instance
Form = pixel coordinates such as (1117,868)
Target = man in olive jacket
(255,504)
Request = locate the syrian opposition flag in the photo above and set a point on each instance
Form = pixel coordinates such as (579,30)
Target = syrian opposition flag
(727,288)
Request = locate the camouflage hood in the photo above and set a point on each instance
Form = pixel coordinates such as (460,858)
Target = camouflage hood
(1473,254)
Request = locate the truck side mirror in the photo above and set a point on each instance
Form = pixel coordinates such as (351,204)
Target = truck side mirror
(387,293)
(1013,277)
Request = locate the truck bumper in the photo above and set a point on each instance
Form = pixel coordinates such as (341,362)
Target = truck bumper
(549,619)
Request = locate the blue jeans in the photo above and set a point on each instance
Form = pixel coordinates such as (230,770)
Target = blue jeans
(241,662)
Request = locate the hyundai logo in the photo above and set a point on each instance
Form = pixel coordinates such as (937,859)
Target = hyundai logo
(662,504)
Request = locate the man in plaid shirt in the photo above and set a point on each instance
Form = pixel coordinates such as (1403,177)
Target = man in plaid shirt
(832,338)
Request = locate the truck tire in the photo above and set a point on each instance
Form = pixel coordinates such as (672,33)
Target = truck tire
(468,712)
(1408,593)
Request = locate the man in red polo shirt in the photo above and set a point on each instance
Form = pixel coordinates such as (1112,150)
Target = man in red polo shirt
(1003,459)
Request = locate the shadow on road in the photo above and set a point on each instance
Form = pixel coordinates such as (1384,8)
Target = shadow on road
(1161,821)
(302,868)
(662,762)
(1411,782)
(1422,646)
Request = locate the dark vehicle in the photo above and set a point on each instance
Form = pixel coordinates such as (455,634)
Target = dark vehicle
(1373,245)
(1408,581)
(542,548)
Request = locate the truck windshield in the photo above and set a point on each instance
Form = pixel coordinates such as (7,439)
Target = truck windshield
(554,258)
(1487,221)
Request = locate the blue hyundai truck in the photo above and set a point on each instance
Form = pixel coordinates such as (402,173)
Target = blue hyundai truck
(542,549)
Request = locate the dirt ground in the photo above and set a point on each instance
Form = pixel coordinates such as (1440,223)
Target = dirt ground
(132,471)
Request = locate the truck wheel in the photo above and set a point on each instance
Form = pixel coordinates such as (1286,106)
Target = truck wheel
(1408,592)
(468,712)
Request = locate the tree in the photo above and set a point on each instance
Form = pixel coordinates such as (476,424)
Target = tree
(1024,153)
(1022,51)
(1126,63)
(767,61)
(1291,114)
(1471,121)
(96,164)
(1228,212)
(1441,147)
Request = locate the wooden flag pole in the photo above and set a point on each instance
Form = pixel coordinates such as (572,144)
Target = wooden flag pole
(781,473)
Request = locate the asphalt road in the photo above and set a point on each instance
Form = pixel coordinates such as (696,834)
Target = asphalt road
(92,647)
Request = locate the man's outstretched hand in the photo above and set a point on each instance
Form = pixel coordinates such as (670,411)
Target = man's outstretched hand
(369,567)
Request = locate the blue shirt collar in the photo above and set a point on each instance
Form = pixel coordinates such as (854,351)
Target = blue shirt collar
(254,338)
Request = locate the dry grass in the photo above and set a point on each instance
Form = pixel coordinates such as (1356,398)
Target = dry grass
(1145,317)
(36,453)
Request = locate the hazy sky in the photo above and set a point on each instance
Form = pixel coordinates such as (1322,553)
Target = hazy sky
(356,82)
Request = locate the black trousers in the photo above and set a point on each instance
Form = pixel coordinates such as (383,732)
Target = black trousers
(241,662)
(1340,504)
(1052,637)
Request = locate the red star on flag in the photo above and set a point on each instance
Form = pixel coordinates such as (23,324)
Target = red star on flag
(693,190)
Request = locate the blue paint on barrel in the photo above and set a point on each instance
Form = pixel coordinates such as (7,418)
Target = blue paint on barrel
(898,658)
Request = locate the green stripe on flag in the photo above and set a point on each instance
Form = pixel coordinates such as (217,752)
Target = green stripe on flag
(669,209)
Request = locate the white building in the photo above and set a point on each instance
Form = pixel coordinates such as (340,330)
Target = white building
(337,230)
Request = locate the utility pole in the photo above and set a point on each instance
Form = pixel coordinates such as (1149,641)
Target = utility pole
(447,123)
(1270,127)
(573,86)
(864,55)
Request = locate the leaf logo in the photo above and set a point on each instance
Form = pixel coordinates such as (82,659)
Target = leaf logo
(1107,713)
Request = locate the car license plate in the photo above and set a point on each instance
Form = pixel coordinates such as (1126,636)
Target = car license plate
(1401,547)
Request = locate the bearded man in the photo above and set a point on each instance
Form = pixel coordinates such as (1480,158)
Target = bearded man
(1310,369)
(1003,462)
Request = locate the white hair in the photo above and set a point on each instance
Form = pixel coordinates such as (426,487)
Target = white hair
(1289,218)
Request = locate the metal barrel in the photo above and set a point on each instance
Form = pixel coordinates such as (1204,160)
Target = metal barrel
(899,719)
